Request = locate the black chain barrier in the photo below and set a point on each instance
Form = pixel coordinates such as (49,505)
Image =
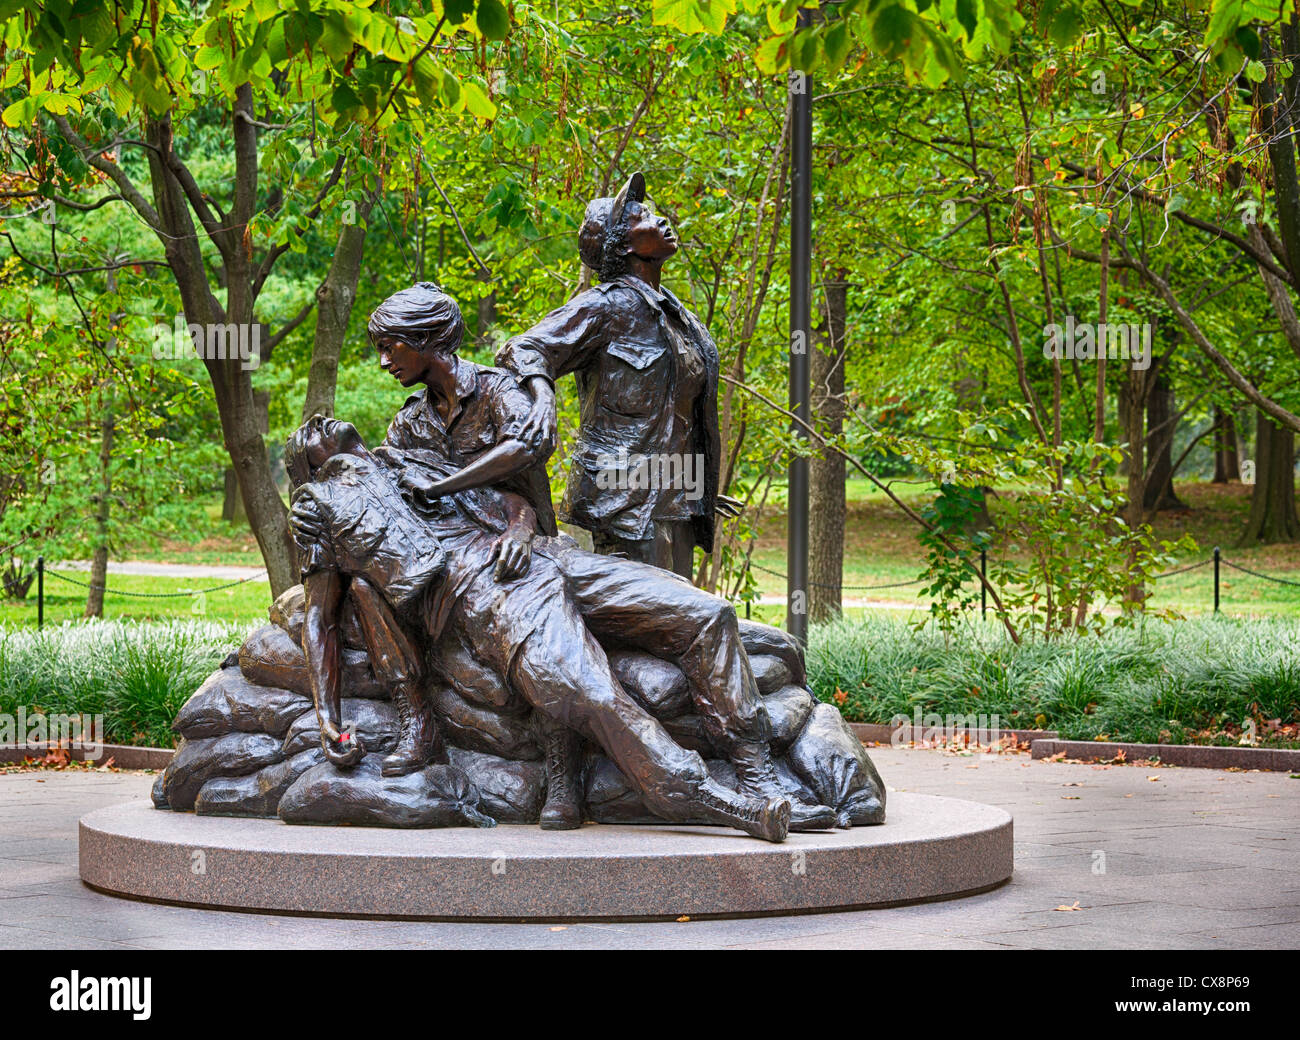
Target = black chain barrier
(1183,570)
(1216,559)
(154,595)
(41,572)
(1256,574)
(847,588)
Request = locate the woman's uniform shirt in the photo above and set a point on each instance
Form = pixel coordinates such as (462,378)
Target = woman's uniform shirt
(647,373)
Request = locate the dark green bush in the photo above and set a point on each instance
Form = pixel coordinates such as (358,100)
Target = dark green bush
(1162,682)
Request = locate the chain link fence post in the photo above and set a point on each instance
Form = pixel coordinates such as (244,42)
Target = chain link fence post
(1216,579)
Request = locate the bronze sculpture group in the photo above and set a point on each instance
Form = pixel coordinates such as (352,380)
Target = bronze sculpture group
(433,565)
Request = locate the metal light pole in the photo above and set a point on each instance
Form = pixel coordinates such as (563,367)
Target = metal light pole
(800,86)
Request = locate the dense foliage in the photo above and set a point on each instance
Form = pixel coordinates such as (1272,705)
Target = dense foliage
(985,172)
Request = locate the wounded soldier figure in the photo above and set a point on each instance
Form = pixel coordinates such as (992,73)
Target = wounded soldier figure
(529,606)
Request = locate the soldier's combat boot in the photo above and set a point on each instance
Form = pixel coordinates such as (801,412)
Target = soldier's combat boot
(563,808)
(756,777)
(417,744)
(766,818)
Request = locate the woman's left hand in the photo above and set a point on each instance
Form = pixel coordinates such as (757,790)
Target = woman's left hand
(422,489)
(513,552)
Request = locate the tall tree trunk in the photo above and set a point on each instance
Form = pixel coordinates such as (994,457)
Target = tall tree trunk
(487,311)
(103,507)
(232,503)
(827,505)
(1103,304)
(242,432)
(1227,469)
(231,377)
(232,510)
(1159,492)
(334,300)
(1272,504)
(1133,396)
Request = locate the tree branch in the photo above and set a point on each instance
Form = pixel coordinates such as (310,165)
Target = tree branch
(115,173)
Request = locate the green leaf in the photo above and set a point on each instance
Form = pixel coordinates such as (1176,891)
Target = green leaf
(892,30)
(209,57)
(805,53)
(60,103)
(693,16)
(344,100)
(98,77)
(451,90)
(1224,18)
(779,22)
(477,102)
(21,111)
(1066,25)
(458,10)
(428,79)
(837,43)
(120,95)
(1248,40)
(966,16)
(335,37)
(492,19)
(771,55)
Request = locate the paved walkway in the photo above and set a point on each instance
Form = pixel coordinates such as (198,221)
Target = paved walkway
(232,572)
(1155,858)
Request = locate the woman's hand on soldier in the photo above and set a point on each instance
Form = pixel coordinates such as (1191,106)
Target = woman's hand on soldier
(421,488)
(513,552)
(539,429)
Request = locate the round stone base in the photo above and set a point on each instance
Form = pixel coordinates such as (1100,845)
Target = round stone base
(930,848)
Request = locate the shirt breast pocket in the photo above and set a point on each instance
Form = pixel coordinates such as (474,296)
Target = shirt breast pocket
(471,443)
(634,378)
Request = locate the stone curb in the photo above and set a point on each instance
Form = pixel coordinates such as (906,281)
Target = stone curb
(1193,755)
(124,756)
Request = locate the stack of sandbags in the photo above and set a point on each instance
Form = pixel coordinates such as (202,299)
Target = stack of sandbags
(251,744)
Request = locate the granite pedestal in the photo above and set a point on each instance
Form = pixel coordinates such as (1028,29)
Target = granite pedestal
(931,848)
